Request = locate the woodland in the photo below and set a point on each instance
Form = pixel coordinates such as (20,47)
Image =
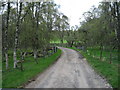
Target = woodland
(33,31)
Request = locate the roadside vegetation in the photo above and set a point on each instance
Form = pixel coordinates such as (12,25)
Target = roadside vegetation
(103,67)
(27,31)
(98,39)
(15,78)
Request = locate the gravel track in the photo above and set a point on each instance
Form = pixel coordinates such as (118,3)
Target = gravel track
(70,71)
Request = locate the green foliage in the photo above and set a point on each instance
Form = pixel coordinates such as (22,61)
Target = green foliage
(30,26)
(99,27)
(14,78)
(36,25)
(58,41)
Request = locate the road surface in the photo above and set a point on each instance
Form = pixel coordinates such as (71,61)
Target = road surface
(70,71)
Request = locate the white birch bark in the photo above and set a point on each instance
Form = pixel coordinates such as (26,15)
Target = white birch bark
(6,41)
(35,54)
(16,35)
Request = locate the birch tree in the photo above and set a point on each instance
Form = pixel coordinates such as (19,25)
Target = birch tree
(19,10)
(6,32)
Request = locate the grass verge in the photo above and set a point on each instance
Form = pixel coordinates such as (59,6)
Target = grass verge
(109,71)
(15,78)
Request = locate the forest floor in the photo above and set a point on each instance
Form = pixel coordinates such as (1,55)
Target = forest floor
(70,71)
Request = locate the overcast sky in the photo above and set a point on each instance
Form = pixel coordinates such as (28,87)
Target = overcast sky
(75,8)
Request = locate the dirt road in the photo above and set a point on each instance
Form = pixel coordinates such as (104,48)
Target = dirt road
(70,71)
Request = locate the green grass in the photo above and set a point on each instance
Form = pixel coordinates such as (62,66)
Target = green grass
(15,78)
(95,52)
(58,41)
(104,68)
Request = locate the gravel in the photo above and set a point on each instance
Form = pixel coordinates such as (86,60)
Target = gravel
(70,71)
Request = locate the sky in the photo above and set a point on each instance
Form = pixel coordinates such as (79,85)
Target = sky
(74,9)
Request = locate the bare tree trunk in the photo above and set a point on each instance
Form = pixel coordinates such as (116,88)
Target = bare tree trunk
(6,46)
(118,26)
(35,56)
(16,35)
(101,51)
(110,56)
(15,59)
(116,15)
(22,58)
(35,38)
(118,21)
(6,58)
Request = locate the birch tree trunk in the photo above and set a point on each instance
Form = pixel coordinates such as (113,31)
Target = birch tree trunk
(33,16)
(16,35)
(36,32)
(101,51)
(118,26)
(6,32)
(35,56)
(116,15)
(118,21)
